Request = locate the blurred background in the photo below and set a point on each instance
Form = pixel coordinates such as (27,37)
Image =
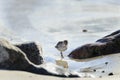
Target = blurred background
(50,21)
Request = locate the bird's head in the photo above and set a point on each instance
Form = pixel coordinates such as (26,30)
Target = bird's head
(66,42)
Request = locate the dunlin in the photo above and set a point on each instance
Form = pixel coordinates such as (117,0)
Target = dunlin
(62,46)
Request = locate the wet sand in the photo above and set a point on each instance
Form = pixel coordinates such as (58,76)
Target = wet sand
(20,75)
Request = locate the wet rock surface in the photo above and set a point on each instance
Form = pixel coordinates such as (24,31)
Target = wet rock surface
(13,58)
(109,44)
(33,51)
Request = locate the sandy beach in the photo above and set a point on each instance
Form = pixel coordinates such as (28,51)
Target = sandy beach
(20,75)
(46,22)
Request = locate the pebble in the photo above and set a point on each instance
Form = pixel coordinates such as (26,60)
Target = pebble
(94,70)
(100,76)
(110,74)
(84,30)
(103,71)
(106,63)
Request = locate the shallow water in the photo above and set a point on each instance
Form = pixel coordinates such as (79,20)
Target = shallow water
(50,21)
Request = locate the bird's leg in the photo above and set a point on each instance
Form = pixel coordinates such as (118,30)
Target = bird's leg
(62,55)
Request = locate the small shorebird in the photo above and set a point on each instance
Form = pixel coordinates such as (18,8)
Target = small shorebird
(62,46)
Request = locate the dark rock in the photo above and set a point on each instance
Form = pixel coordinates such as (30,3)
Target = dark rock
(94,70)
(110,74)
(84,30)
(103,71)
(109,44)
(106,63)
(12,58)
(33,51)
